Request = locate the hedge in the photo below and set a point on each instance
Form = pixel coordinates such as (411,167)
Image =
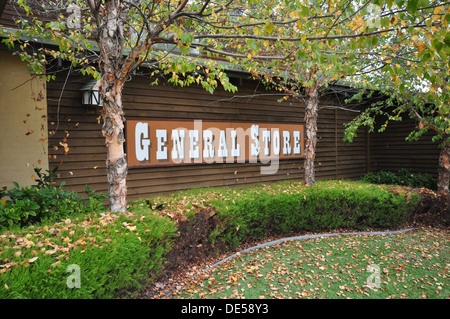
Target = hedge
(292,207)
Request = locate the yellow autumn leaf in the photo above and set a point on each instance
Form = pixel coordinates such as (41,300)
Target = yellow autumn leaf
(395,79)
(438,9)
(421,46)
(444,20)
(394,20)
(249,56)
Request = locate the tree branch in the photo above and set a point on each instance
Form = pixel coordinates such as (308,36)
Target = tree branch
(333,37)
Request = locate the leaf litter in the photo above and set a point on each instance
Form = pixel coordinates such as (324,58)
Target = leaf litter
(411,265)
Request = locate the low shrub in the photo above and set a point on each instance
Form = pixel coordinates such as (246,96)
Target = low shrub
(113,255)
(236,215)
(403,177)
(328,205)
(23,206)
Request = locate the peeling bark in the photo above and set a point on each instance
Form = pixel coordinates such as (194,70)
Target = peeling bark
(116,162)
(444,170)
(111,39)
(311,133)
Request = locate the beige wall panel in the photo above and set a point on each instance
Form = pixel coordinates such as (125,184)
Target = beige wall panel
(23,122)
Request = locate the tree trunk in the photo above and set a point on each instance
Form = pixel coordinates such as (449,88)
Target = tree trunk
(444,169)
(311,133)
(116,162)
(111,43)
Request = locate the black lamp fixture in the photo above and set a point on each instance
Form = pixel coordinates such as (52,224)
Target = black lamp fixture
(91,94)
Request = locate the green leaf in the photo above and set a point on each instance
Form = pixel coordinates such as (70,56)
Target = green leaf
(412,6)
(186,38)
(447,39)
(436,44)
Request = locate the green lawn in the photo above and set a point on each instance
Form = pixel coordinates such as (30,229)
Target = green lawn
(411,265)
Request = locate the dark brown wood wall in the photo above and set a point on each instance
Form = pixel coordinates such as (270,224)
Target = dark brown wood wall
(8,17)
(390,151)
(85,161)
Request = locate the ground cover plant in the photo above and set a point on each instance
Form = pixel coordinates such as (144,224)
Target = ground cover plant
(409,265)
(114,254)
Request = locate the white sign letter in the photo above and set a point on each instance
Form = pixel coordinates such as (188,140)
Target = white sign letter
(178,144)
(161,152)
(297,147)
(193,149)
(286,143)
(208,149)
(142,142)
(235,147)
(266,140)
(276,142)
(254,134)
(222,151)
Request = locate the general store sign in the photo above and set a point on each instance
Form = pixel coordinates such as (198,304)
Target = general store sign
(175,142)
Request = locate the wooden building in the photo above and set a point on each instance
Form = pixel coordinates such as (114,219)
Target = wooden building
(70,135)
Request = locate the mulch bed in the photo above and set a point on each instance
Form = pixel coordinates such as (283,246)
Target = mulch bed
(192,253)
(433,209)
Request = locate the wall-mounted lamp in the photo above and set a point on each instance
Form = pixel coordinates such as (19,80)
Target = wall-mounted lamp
(91,94)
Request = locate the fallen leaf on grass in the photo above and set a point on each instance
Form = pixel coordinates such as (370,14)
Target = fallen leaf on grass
(32,260)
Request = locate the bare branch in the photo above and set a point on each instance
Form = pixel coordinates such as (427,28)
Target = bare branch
(293,39)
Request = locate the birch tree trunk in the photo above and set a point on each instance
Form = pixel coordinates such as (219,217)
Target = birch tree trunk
(444,169)
(311,110)
(116,162)
(111,42)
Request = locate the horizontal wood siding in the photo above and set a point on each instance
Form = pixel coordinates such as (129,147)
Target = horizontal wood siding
(9,16)
(85,161)
(391,152)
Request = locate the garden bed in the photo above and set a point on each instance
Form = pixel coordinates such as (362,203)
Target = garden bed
(120,255)
(214,223)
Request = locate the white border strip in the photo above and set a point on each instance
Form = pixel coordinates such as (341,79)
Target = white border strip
(274,242)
